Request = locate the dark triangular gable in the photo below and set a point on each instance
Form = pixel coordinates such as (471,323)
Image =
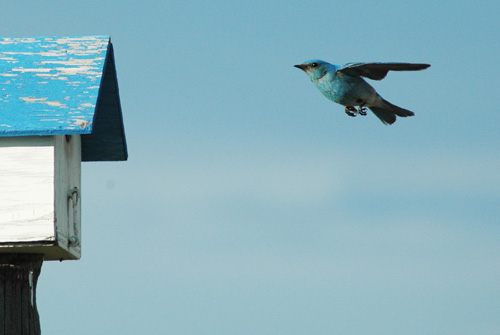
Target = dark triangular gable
(107,140)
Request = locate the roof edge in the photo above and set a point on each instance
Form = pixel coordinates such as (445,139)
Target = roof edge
(107,141)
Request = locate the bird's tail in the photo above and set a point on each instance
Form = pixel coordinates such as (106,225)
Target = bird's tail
(387,112)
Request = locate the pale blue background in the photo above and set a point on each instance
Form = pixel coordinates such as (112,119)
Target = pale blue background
(253,205)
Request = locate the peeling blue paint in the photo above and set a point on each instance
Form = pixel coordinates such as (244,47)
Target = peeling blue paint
(55,85)
(41,74)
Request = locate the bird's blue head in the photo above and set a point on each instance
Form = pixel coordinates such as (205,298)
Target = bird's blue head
(315,68)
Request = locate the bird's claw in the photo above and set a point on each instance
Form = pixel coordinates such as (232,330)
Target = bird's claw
(351,111)
(362,110)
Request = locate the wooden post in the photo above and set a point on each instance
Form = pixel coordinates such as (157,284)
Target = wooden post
(18,278)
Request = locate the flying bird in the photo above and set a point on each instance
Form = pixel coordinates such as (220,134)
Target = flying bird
(345,85)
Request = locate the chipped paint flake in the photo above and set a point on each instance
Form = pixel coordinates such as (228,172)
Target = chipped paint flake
(19,53)
(43,101)
(75,62)
(82,123)
(71,71)
(23,70)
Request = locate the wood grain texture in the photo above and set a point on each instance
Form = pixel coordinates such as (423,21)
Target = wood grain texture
(18,280)
(68,177)
(27,190)
(37,176)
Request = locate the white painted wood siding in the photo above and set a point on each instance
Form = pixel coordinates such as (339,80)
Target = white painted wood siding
(37,176)
(67,177)
(26,189)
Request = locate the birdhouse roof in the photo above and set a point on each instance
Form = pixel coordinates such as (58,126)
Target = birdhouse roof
(63,86)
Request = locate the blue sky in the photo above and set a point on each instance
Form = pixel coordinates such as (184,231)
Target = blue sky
(251,204)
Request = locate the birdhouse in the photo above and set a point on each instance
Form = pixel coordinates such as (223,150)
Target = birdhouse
(59,106)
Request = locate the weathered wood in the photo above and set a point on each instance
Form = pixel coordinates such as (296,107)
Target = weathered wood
(40,183)
(26,188)
(18,279)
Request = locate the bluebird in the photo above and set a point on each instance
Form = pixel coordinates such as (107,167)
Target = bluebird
(345,85)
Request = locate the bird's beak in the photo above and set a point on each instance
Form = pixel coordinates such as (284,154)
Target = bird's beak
(300,66)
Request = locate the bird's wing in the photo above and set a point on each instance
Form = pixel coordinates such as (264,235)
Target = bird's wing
(378,71)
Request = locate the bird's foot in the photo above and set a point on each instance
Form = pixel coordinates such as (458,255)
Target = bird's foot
(351,111)
(362,110)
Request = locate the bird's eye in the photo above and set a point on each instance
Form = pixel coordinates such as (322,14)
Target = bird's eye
(314,65)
